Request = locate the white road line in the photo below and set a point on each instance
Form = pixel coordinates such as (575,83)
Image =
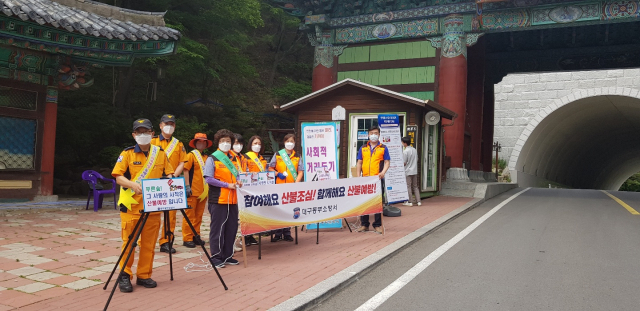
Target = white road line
(403,280)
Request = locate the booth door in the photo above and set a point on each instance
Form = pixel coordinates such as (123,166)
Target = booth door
(430,158)
(359,125)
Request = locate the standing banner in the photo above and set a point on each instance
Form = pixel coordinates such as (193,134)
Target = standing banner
(271,207)
(320,148)
(395,180)
(163,194)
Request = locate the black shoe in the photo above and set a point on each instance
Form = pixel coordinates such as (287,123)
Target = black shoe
(217,263)
(165,248)
(124,283)
(189,244)
(231,261)
(148,283)
(198,241)
(276,238)
(288,238)
(250,240)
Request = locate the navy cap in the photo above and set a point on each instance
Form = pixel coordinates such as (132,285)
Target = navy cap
(142,123)
(168,118)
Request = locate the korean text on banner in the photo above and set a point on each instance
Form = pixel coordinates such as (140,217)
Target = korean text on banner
(394,180)
(163,194)
(271,207)
(319,147)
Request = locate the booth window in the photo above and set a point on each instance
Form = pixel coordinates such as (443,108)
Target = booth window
(17,143)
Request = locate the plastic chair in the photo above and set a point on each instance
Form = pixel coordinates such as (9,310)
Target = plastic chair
(92,178)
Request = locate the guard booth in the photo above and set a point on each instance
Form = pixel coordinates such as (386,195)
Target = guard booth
(356,105)
(51,46)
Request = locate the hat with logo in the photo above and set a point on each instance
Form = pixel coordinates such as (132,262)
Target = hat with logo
(142,123)
(200,136)
(168,118)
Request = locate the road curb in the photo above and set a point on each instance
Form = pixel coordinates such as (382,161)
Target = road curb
(325,289)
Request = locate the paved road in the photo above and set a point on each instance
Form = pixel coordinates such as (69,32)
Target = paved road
(548,249)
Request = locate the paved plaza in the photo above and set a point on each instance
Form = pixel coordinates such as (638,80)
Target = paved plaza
(58,256)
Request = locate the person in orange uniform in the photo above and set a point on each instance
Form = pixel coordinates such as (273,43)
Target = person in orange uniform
(238,145)
(255,164)
(373,159)
(289,169)
(177,155)
(197,189)
(129,171)
(220,173)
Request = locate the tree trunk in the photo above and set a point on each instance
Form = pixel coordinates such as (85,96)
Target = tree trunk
(125,76)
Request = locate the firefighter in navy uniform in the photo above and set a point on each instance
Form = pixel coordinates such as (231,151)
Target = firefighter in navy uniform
(142,161)
(373,159)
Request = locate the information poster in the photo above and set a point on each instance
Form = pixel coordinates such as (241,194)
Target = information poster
(320,148)
(163,194)
(257,179)
(395,180)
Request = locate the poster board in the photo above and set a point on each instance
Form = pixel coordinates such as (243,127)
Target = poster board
(395,179)
(257,179)
(320,148)
(163,194)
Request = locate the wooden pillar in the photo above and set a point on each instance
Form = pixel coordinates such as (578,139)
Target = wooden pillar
(452,85)
(475,99)
(48,142)
(322,77)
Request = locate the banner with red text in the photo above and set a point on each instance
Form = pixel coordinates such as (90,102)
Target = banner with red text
(270,207)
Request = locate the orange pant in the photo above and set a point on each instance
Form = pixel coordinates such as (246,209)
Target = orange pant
(195,216)
(172,223)
(147,242)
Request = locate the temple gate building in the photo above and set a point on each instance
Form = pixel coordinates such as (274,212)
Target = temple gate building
(50,46)
(455,51)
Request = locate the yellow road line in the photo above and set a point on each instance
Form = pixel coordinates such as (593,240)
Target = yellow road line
(625,205)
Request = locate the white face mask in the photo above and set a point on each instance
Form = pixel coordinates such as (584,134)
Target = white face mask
(168,129)
(289,146)
(224,147)
(256,148)
(373,138)
(237,148)
(201,145)
(143,139)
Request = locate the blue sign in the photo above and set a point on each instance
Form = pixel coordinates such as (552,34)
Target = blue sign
(336,223)
(387,120)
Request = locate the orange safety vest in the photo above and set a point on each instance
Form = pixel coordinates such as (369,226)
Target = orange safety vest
(281,167)
(252,166)
(372,162)
(222,173)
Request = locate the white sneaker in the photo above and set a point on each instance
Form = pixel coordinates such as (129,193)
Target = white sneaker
(419,203)
(407,204)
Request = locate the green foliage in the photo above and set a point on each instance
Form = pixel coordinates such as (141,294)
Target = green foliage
(502,163)
(291,90)
(236,59)
(632,184)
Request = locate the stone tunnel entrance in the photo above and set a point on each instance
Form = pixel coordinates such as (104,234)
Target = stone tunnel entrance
(587,139)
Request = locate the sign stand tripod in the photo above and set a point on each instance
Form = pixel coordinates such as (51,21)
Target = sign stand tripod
(175,200)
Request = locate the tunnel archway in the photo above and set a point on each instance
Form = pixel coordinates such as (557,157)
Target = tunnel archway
(589,139)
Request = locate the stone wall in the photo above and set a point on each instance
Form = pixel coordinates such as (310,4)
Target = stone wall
(519,98)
